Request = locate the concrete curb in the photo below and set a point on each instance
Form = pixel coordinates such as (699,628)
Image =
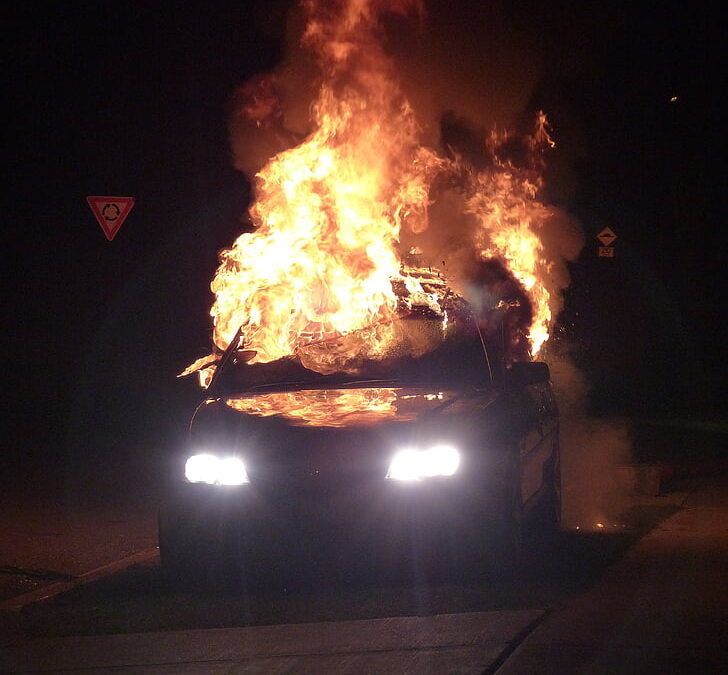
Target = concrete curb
(466,644)
(52,590)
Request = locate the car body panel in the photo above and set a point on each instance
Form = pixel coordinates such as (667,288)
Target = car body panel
(318,486)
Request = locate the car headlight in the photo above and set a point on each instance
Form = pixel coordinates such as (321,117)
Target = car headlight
(414,465)
(207,468)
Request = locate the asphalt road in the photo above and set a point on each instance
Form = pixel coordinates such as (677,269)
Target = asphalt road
(648,596)
(50,536)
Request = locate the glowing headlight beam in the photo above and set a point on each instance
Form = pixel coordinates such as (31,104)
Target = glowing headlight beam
(213,470)
(414,465)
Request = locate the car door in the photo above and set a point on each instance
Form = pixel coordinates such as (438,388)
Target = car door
(538,441)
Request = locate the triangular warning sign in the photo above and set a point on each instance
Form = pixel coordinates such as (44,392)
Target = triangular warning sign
(111,212)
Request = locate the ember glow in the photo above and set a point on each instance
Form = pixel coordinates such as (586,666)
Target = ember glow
(324,262)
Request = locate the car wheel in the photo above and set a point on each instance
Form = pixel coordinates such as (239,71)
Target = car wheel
(496,549)
(553,480)
(175,563)
(196,552)
(179,551)
(511,531)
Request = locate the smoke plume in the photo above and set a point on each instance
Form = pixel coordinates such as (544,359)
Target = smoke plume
(593,450)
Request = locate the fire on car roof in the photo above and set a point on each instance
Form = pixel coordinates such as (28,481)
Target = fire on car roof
(340,245)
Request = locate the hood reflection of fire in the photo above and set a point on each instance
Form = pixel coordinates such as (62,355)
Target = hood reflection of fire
(338,407)
(324,260)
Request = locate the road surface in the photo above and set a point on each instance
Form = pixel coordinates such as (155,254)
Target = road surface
(604,604)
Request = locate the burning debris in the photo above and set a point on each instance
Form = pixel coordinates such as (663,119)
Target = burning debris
(323,276)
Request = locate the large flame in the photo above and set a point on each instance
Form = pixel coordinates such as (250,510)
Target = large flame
(328,213)
(504,201)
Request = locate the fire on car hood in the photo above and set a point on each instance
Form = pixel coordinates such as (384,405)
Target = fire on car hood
(345,407)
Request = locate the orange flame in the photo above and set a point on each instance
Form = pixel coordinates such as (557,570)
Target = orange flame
(329,212)
(509,217)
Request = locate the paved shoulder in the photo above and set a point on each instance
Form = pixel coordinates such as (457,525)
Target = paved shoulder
(662,609)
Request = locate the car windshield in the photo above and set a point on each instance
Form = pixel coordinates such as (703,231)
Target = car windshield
(447,354)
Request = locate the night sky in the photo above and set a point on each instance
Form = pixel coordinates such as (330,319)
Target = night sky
(132,99)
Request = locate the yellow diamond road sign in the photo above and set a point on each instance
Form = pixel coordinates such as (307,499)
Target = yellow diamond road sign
(606,236)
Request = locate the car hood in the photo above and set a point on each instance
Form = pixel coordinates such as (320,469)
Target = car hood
(346,431)
(345,407)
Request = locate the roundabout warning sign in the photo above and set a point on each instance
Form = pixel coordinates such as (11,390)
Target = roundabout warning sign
(110,212)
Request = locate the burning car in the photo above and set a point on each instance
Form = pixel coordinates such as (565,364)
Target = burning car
(431,458)
(358,409)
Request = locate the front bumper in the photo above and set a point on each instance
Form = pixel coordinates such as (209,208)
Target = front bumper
(357,525)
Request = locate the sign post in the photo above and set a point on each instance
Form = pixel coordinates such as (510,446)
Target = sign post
(110,212)
(606,238)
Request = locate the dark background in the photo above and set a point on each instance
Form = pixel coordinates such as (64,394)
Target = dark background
(131,99)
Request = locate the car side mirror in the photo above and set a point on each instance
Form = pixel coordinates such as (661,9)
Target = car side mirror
(523,373)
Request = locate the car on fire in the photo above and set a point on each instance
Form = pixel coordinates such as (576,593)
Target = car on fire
(422,463)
